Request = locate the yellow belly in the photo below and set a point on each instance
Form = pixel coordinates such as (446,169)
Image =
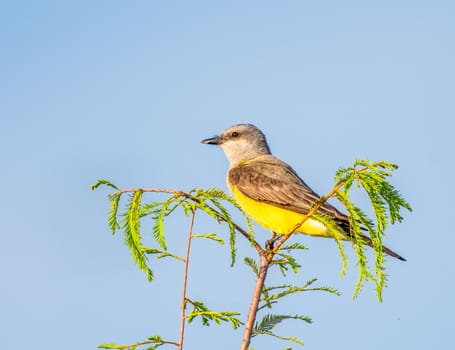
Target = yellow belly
(276,219)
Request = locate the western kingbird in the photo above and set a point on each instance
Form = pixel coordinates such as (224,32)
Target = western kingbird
(270,191)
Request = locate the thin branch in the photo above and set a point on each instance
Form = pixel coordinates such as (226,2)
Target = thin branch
(185,279)
(135,345)
(265,264)
(244,233)
(155,190)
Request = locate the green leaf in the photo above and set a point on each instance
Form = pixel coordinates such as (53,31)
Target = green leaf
(215,196)
(132,235)
(206,316)
(112,218)
(291,339)
(211,236)
(372,178)
(188,208)
(155,340)
(109,346)
(286,289)
(338,234)
(252,264)
(232,231)
(158,226)
(270,321)
(285,262)
(161,253)
(356,216)
(150,209)
(377,188)
(215,316)
(103,182)
(295,245)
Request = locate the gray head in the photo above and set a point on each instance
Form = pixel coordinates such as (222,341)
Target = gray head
(241,142)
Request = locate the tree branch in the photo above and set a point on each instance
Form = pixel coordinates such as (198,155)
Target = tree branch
(185,279)
(135,345)
(264,266)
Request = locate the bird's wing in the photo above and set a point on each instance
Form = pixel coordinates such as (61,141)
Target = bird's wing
(276,183)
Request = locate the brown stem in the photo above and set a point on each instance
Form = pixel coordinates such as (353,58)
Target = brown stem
(185,279)
(135,345)
(154,190)
(264,266)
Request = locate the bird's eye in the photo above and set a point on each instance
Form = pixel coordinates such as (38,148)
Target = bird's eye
(235,134)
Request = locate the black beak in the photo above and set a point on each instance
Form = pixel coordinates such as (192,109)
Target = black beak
(212,141)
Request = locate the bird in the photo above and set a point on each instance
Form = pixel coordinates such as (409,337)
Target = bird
(270,191)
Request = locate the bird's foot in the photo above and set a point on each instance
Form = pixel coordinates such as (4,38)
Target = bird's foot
(270,243)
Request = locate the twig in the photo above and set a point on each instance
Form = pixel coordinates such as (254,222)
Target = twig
(185,279)
(154,190)
(146,342)
(255,244)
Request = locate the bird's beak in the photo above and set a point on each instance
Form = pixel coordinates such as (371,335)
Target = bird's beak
(212,141)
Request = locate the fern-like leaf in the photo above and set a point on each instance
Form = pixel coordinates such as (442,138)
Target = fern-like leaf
(286,289)
(211,236)
(270,321)
(294,246)
(161,253)
(232,231)
(103,182)
(287,261)
(158,226)
(338,234)
(200,310)
(252,264)
(112,218)
(132,235)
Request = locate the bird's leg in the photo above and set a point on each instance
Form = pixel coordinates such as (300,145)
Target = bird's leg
(271,242)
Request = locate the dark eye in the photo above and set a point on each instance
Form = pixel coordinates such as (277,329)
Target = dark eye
(235,134)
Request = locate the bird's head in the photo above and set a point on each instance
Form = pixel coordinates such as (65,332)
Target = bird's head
(241,142)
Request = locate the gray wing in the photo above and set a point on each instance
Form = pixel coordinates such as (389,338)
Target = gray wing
(276,183)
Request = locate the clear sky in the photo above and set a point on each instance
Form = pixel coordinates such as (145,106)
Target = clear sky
(125,90)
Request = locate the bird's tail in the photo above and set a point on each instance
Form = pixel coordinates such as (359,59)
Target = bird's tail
(343,222)
(390,252)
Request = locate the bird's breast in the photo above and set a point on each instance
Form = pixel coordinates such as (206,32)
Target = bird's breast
(276,219)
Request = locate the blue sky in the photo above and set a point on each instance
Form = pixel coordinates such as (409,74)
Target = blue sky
(126,91)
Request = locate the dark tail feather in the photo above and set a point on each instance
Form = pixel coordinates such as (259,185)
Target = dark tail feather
(386,250)
(343,222)
(392,253)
